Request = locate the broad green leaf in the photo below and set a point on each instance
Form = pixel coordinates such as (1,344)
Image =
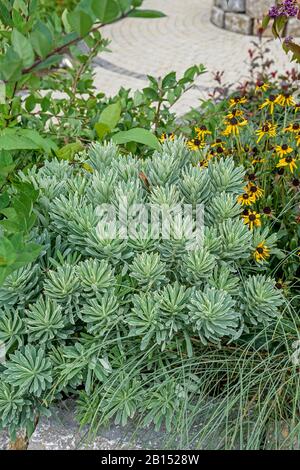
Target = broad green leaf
(25,139)
(23,47)
(80,21)
(10,65)
(142,136)
(108,119)
(106,10)
(7,252)
(41,39)
(68,151)
(146,14)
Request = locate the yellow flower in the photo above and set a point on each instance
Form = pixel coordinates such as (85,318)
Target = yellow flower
(262,252)
(202,131)
(287,161)
(165,136)
(294,128)
(297,137)
(257,160)
(285,99)
(252,219)
(237,100)
(283,150)
(233,126)
(261,86)
(246,199)
(196,144)
(254,191)
(270,102)
(204,163)
(268,129)
(234,113)
(297,107)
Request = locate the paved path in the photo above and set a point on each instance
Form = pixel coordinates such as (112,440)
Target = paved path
(185,37)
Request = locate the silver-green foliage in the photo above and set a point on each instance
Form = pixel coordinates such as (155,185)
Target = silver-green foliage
(90,305)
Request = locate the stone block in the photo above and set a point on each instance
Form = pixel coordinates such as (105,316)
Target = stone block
(237,6)
(258,8)
(238,23)
(293,28)
(217,17)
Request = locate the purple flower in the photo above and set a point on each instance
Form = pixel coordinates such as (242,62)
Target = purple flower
(288,8)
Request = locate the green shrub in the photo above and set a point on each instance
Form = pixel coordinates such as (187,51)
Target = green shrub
(116,316)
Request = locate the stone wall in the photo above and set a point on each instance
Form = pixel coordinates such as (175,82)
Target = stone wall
(244,16)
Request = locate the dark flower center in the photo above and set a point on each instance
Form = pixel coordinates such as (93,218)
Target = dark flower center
(252,217)
(272,98)
(296,126)
(260,250)
(203,128)
(246,196)
(220,150)
(278,285)
(252,177)
(295,182)
(265,128)
(288,159)
(267,210)
(253,189)
(284,147)
(233,121)
(245,212)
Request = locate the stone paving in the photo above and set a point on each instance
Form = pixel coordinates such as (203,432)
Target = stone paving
(183,38)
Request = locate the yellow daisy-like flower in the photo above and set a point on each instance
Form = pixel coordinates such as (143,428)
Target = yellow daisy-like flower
(233,126)
(297,107)
(267,129)
(252,219)
(270,103)
(234,113)
(294,128)
(246,199)
(204,163)
(297,138)
(285,99)
(165,136)
(254,191)
(289,162)
(195,144)
(202,131)
(261,86)
(257,160)
(283,150)
(237,100)
(261,253)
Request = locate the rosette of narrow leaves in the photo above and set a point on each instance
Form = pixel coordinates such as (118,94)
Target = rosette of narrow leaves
(145,320)
(261,299)
(236,240)
(102,187)
(101,314)
(212,240)
(11,328)
(167,196)
(21,286)
(101,155)
(164,167)
(226,176)
(45,321)
(222,207)
(195,186)
(102,246)
(197,265)
(148,270)
(95,276)
(172,301)
(62,284)
(29,370)
(212,315)
(225,279)
(127,167)
(16,410)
